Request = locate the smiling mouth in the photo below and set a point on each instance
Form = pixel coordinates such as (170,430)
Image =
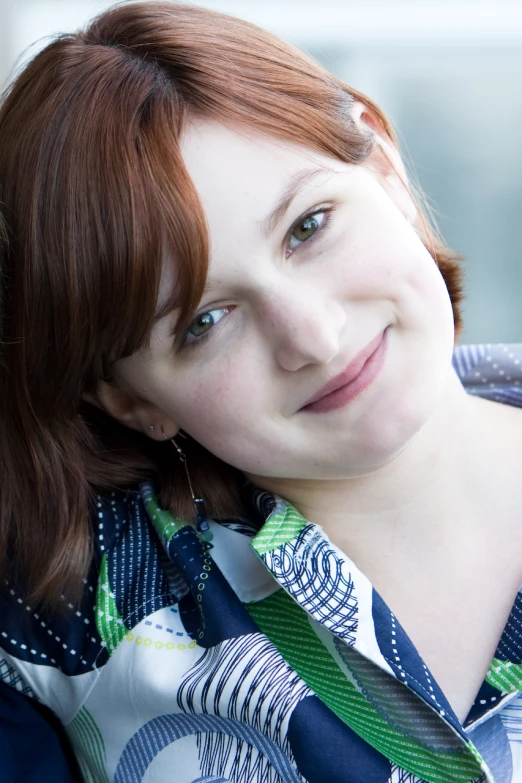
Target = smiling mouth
(354,379)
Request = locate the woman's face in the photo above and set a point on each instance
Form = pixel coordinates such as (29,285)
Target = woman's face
(315,266)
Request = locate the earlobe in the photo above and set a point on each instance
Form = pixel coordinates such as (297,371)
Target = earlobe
(134,413)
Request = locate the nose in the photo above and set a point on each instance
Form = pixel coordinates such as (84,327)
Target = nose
(305,326)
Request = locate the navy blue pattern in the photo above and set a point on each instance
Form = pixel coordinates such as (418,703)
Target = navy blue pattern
(510,645)
(206,612)
(488,698)
(349,758)
(69,642)
(139,582)
(401,654)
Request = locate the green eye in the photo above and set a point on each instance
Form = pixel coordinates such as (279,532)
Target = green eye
(203,323)
(305,229)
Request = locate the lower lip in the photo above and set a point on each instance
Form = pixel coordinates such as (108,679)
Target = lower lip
(341,397)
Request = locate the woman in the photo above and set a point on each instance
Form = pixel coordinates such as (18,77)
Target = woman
(248,507)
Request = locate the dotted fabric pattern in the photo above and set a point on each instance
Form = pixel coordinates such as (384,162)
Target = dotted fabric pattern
(491,371)
(70,642)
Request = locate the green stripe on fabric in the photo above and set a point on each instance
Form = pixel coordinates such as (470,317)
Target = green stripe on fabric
(505,676)
(108,620)
(165,524)
(88,743)
(282,525)
(96,740)
(288,628)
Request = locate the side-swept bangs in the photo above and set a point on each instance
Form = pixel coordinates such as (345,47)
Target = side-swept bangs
(96,199)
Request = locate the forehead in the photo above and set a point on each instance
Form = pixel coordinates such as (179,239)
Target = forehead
(242,172)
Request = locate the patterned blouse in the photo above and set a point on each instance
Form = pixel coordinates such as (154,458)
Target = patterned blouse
(263,656)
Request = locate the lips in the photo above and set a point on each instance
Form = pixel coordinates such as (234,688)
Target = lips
(360,365)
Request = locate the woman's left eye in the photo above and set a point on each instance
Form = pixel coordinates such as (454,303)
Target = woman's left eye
(305,228)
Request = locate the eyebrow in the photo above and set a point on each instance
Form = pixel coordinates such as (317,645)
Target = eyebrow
(269,223)
(287,196)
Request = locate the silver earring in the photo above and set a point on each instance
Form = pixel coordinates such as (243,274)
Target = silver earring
(151,427)
(202,525)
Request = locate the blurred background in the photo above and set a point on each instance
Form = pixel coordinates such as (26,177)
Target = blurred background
(448,74)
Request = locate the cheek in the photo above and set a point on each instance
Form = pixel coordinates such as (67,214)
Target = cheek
(429,301)
(408,275)
(375,259)
(221,410)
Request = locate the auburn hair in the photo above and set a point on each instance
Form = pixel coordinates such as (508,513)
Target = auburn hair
(93,192)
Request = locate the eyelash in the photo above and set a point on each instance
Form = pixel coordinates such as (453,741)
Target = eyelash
(326,211)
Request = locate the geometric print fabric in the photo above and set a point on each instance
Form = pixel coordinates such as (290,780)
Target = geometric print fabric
(316,678)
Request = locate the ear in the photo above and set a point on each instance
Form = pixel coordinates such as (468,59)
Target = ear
(385,159)
(134,413)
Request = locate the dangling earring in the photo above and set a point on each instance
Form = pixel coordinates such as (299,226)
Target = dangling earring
(202,525)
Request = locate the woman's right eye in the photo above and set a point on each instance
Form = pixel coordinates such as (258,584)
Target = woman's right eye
(202,325)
